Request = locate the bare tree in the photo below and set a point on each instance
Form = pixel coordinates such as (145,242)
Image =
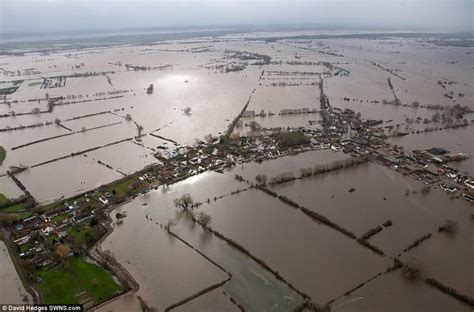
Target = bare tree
(208,138)
(254,126)
(425,190)
(449,226)
(185,201)
(411,270)
(169,223)
(149,90)
(261,179)
(203,218)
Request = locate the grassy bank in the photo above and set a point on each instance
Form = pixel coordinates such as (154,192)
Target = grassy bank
(62,283)
(3,154)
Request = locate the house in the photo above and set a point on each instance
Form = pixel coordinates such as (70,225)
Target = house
(83,216)
(383,160)
(104,201)
(47,230)
(469,195)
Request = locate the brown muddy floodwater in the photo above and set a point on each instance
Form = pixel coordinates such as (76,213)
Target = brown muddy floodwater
(379,196)
(304,252)
(313,257)
(251,285)
(391,293)
(166,269)
(11,288)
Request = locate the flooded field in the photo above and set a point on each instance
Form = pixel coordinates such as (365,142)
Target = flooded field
(392,293)
(282,236)
(12,287)
(412,215)
(166,269)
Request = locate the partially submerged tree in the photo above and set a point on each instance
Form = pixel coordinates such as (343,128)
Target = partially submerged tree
(139,129)
(185,201)
(169,223)
(208,138)
(203,218)
(261,179)
(449,226)
(425,190)
(149,90)
(411,269)
(254,126)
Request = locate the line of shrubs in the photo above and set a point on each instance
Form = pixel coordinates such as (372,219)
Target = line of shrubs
(450,291)
(81,152)
(316,216)
(259,261)
(319,169)
(371,232)
(417,242)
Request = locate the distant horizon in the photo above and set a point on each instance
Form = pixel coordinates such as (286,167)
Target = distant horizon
(50,16)
(130,31)
(299,27)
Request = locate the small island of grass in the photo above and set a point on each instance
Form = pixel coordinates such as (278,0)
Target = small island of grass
(3,154)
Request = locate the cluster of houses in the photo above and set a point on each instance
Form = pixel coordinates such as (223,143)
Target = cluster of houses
(37,236)
(429,167)
(283,112)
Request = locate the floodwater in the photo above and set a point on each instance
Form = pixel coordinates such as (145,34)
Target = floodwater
(12,289)
(448,258)
(304,252)
(9,188)
(391,293)
(184,74)
(66,178)
(313,257)
(166,269)
(215,300)
(251,286)
(379,196)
